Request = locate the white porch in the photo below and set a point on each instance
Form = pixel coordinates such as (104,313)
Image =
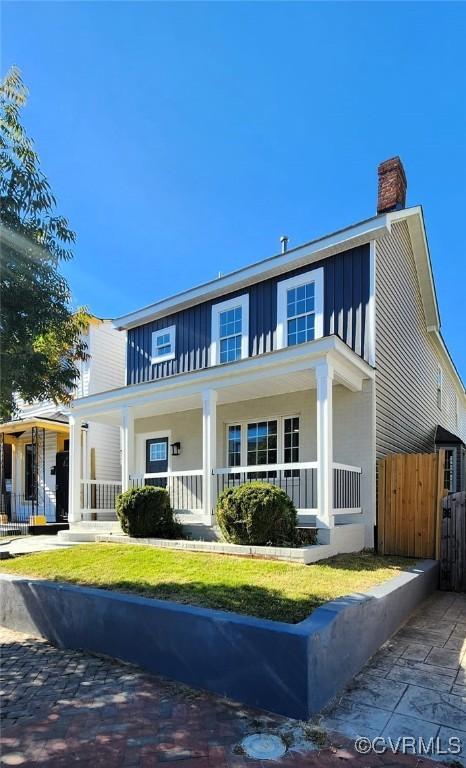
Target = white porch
(320,389)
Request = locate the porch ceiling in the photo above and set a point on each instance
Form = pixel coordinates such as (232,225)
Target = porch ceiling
(279,372)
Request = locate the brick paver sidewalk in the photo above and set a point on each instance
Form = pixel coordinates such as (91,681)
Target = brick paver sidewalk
(66,707)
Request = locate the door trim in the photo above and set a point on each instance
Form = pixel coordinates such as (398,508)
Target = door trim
(140,463)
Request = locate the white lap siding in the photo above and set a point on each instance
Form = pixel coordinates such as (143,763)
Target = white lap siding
(105,370)
(406,359)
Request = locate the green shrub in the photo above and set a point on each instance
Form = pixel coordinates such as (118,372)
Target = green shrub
(146,512)
(257,513)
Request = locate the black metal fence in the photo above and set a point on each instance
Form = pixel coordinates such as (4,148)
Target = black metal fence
(185,490)
(18,512)
(299,484)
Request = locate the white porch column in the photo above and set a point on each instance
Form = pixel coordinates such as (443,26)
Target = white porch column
(127,446)
(324,376)
(74,499)
(209,448)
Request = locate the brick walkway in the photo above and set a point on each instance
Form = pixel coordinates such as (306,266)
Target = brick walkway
(61,708)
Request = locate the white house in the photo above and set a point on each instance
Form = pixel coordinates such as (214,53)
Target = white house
(301,369)
(35,444)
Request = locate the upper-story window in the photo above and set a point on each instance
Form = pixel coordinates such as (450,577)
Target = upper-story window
(230,328)
(163,344)
(300,305)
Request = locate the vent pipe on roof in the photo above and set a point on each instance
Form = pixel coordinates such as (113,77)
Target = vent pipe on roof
(284,241)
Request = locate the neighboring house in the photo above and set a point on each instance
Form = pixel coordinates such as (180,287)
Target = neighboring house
(301,369)
(35,444)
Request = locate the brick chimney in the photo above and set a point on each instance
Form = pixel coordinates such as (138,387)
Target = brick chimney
(392,186)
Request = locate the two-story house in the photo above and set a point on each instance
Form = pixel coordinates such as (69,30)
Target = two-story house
(34,455)
(301,369)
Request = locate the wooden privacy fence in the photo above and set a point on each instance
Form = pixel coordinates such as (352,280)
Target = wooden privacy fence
(453,543)
(409,490)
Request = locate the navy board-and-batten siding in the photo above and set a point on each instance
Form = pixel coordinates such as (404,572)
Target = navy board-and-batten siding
(346,302)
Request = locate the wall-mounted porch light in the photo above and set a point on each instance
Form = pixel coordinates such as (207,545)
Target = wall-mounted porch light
(176,449)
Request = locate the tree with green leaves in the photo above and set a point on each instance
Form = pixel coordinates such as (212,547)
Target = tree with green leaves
(41,337)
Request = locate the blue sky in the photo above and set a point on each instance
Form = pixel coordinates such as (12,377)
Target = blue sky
(183,139)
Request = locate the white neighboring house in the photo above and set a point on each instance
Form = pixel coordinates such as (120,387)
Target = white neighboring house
(35,444)
(302,369)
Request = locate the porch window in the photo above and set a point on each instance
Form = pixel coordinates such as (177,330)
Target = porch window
(230,329)
(262,447)
(234,446)
(158,451)
(291,444)
(163,344)
(29,471)
(300,309)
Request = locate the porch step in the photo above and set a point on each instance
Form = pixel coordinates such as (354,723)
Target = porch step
(88,530)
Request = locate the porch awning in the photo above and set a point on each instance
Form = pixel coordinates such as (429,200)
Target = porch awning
(444,437)
(56,424)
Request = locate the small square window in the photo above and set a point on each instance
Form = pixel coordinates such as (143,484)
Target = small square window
(158,451)
(163,344)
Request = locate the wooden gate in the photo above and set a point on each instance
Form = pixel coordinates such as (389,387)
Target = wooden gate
(409,490)
(453,543)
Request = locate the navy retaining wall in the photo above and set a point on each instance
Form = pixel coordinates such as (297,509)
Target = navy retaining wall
(293,670)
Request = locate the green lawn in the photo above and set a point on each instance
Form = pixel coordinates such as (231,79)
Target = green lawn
(265,588)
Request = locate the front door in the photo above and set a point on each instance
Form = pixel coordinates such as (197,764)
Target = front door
(62,476)
(157,459)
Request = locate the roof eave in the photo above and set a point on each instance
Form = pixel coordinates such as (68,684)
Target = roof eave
(357,234)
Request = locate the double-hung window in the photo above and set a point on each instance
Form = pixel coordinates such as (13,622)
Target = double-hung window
(230,328)
(163,344)
(300,305)
(230,333)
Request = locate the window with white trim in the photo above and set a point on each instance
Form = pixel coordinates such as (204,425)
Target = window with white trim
(300,305)
(158,451)
(230,330)
(230,334)
(163,344)
(439,387)
(268,441)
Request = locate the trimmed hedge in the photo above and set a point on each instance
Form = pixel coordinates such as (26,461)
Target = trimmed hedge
(257,513)
(147,512)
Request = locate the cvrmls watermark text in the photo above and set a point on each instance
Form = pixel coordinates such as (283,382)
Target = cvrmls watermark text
(417,746)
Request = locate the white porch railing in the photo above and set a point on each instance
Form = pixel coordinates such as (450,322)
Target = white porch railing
(346,489)
(99,494)
(297,479)
(185,487)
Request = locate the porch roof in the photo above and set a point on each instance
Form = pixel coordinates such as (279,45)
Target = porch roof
(278,372)
(44,422)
